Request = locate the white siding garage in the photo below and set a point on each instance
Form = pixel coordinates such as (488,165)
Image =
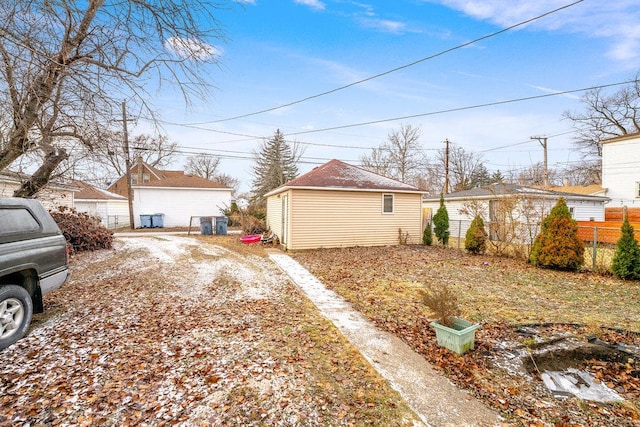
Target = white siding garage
(178,206)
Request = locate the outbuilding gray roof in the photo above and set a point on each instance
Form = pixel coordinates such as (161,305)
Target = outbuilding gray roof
(338,175)
(505,190)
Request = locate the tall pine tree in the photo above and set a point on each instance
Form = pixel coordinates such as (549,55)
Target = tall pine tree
(275,165)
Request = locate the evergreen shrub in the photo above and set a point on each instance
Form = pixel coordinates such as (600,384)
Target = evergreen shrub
(558,245)
(475,240)
(427,235)
(626,261)
(441,223)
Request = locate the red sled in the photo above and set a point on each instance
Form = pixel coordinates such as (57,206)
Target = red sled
(251,238)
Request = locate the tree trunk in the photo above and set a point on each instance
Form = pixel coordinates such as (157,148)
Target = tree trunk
(41,177)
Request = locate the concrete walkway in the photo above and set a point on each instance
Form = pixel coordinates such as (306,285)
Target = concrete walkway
(432,397)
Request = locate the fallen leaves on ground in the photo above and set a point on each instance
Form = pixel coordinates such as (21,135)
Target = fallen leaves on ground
(383,283)
(178,331)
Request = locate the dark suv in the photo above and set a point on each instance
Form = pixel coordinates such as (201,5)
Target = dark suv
(33,261)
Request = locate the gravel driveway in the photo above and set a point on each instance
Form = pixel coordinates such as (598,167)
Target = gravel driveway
(173,330)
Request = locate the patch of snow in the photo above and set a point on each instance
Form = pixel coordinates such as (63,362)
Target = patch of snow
(580,384)
(163,248)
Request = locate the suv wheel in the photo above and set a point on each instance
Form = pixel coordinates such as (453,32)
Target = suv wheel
(16,310)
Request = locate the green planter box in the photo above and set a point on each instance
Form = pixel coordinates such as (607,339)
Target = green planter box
(460,338)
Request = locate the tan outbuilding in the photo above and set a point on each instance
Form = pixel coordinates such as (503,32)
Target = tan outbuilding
(340,205)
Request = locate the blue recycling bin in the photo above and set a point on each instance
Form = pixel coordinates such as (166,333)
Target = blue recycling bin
(221,225)
(206,226)
(145,221)
(157,220)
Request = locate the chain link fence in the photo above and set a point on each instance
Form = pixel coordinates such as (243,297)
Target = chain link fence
(516,240)
(117,221)
(600,243)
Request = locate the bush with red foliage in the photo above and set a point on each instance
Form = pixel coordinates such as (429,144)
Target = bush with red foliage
(82,231)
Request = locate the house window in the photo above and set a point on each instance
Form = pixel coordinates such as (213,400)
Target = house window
(145,177)
(637,189)
(387,203)
(134,180)
(572,212)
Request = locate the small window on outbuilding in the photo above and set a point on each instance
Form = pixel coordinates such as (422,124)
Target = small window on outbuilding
(387,203)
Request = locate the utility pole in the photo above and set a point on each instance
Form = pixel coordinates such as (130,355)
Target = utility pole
(543,141)
(128,164)
(446,166)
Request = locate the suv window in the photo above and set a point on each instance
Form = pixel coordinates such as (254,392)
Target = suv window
(17,220)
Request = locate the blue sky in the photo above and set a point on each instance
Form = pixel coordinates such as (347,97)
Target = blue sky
(281,51)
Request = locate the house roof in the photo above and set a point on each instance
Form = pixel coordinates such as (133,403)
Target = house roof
(89,192)
(175,179)
(337,175)
(621,138)
(178,179)
(592,190)
(504,190)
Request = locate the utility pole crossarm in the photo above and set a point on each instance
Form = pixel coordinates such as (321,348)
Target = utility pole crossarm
(543,141)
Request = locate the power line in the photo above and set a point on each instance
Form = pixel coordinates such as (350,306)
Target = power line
(431,113)
(393,70)
(470,107)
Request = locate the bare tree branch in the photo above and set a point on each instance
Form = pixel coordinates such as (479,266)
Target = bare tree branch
(72,63)
(606,116)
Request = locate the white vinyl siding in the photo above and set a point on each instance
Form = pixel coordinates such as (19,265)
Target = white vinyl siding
(460,218)
(105,209)
(620,171)
(179,204)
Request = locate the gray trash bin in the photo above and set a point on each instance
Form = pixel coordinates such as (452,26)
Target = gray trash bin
(221,225)
(206,226)
(157,220)
(145,221)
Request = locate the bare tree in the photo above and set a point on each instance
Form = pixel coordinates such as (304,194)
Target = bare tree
(203,165)
(105,159)
(401,157)
(535,175)
(66,67)
(585,172)
(229,181)
(606,116)
(377,162)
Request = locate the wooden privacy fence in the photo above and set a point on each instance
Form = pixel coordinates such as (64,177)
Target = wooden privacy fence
(617,214)
(604,231)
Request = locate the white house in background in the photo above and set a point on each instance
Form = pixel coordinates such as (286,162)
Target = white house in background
(174,196)
(54,195)
(621,170)
(501,204)
(111,208)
